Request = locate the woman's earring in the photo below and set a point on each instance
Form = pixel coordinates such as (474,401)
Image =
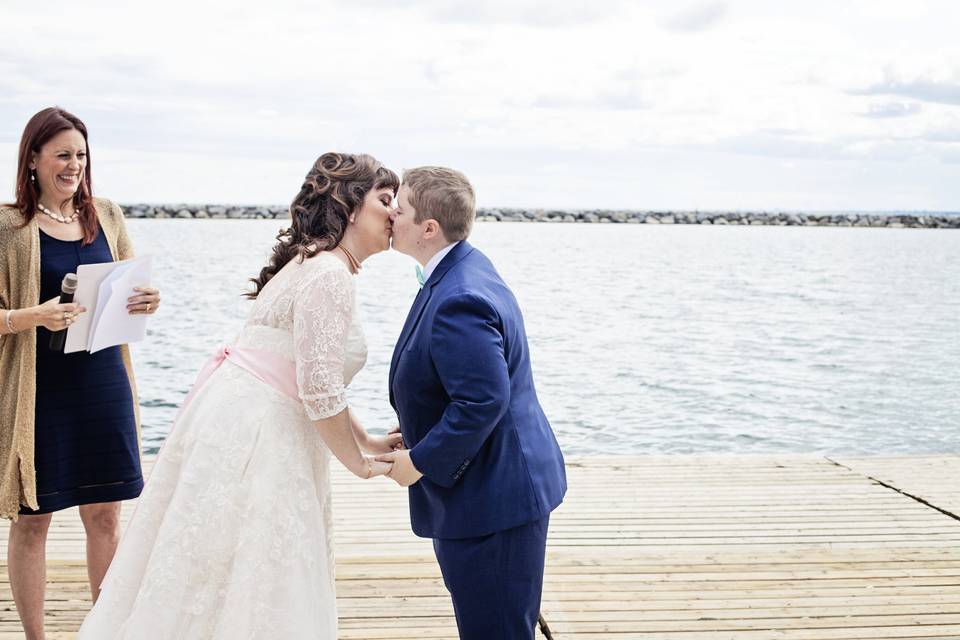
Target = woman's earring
(33,176)
(353,219)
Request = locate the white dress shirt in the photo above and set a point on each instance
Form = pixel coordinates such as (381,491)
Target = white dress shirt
(435,260)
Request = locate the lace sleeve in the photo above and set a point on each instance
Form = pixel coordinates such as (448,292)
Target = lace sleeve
(321,319)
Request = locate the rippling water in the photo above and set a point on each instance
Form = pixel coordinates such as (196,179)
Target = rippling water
(645,339)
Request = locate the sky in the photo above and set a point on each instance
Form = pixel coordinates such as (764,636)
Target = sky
(609,104)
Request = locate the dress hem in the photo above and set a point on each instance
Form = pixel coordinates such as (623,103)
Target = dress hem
(126,490)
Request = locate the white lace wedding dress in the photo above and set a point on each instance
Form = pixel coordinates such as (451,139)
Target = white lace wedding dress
(231,539)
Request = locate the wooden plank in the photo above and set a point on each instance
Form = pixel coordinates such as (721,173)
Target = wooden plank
(658,547)
(935,479)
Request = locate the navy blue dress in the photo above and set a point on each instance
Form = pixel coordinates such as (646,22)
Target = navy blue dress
(86,432)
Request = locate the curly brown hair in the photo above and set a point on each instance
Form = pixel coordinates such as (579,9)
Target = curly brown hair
(333,189)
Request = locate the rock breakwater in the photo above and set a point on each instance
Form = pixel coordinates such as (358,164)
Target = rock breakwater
(867,219)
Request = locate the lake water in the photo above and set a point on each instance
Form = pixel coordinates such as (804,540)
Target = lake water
(644,339)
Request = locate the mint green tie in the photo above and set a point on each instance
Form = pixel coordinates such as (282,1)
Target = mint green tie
(420,276)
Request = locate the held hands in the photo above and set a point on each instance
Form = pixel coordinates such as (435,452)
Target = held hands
(393,441)
(396,430)
(54,316)
(403,471)
(145,302)
(374,468)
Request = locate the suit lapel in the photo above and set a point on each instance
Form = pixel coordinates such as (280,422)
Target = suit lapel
(456,254)
(420,303)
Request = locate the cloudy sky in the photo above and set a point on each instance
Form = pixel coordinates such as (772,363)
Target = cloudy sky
(744,104)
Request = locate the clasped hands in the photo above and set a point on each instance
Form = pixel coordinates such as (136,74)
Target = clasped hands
(392,452)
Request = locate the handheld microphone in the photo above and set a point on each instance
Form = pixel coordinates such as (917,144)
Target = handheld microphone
(67,288)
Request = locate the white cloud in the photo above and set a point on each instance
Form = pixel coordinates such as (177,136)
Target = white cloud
(946,92)
(575,103)
(697,18)
(533,13)
(892,110)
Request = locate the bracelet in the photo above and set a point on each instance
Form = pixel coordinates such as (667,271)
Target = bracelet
(10,324)
(369,468)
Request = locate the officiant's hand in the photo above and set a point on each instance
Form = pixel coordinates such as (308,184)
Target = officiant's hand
(53,316)
(145,302)
(403,472)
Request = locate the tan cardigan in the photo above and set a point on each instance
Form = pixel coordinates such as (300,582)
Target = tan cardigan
(20,288)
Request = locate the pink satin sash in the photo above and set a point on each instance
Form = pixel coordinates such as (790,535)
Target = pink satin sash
(267,366)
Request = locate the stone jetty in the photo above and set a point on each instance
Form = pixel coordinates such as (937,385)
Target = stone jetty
(850,219)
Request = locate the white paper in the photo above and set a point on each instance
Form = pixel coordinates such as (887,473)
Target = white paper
(89,277)
(103,296)
(103,289)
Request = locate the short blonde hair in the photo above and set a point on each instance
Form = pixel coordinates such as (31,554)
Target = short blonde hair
(445,195)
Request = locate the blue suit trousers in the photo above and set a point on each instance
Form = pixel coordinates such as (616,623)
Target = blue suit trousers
(496,581)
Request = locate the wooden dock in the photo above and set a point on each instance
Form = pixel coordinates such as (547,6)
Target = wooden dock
(658,548)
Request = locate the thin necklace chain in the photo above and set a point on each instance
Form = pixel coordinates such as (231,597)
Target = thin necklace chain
(354,263)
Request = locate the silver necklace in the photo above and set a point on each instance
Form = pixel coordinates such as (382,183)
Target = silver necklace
(58,216)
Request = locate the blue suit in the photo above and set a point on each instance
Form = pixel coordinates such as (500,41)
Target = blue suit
(462,387)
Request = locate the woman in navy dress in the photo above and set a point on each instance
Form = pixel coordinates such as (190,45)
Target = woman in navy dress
(85,433)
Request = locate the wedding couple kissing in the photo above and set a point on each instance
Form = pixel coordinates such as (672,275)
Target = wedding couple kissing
(232,536)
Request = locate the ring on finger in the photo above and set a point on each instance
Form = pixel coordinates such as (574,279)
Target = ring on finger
(147,307)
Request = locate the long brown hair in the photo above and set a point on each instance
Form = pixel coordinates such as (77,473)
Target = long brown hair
(43,126)
(333,189)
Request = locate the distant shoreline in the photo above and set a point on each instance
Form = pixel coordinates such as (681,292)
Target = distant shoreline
(758,218)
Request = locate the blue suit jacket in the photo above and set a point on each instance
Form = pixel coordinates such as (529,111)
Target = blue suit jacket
(462,387)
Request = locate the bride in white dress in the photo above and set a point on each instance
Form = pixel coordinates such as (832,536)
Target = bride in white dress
(231,539)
